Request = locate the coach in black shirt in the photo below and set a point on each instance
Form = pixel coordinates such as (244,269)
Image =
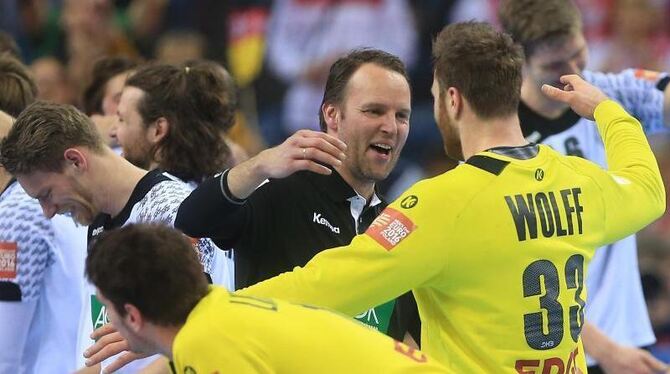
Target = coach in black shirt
(320,189)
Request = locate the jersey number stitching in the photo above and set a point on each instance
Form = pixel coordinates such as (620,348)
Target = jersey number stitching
(544,273)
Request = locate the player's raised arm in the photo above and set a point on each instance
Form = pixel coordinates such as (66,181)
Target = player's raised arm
(633,194)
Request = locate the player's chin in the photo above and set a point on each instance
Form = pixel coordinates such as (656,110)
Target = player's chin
(83,218)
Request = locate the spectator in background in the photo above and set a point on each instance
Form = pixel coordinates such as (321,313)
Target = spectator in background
(8,45)
(177,47)
(305,37)
(53,83)
(91,33)
(17,88)
(637,36)
(101,96)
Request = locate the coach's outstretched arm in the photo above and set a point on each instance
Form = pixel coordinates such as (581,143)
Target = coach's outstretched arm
(633,195)
(214,208)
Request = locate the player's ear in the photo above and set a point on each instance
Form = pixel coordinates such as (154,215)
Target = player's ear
(454,102)
(76,158)
(133,317)
(331,116)
(158,130)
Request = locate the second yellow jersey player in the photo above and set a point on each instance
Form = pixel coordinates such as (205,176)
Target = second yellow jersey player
(228,333)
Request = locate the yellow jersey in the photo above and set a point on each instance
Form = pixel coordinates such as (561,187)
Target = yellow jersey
(228,333)
(495,251)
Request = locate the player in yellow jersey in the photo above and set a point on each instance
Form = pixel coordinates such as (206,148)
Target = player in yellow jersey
(156,295)
(496,250)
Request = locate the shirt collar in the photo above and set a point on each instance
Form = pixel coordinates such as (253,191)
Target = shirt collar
(336,188)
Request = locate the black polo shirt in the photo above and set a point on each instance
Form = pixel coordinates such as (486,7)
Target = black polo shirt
(283,224)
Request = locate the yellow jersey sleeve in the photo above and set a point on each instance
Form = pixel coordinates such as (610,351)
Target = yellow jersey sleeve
(633,193)
(393,256)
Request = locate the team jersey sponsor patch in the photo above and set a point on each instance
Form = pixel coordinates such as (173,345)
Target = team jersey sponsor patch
(649,75)
(7,260)
(390,228)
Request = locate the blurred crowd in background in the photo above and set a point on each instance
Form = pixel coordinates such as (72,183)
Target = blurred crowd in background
(279,52)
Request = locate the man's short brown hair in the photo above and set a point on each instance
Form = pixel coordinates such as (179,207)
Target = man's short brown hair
(343,69)
(42,133)
(17,87)
(483,64)
(104,70)
(538,22)
(153,267)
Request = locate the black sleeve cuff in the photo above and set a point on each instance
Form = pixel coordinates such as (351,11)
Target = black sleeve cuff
(225,190)
(663,83)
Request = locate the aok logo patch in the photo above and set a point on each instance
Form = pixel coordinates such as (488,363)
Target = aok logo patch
(98,313)
(8,260)
(390,228)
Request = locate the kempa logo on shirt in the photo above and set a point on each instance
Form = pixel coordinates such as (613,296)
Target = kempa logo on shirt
(322,221)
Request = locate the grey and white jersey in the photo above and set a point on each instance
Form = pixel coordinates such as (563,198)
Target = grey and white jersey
(40,282)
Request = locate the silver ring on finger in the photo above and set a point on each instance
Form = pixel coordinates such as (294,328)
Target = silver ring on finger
(304,153)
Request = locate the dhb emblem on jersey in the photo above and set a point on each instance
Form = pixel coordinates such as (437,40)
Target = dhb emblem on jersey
(409,202)
(390,228)
(7,260)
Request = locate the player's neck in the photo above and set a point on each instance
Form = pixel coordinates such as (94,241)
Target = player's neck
(478,135)
(5,177)
(532,96)
(163,339)
(363,187)
(115,179)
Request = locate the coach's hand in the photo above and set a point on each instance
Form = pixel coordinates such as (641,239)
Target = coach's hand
(109,343)
(582,97)
(304,150)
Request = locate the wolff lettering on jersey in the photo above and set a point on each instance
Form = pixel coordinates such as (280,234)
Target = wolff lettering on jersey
(557,214)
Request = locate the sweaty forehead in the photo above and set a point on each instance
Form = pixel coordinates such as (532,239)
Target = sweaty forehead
(373,83)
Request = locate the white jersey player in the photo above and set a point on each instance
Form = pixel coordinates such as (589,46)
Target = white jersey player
(156,198)
(41,270)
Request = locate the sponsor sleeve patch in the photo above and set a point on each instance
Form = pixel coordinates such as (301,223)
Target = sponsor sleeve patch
(390,228)
(7,260)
